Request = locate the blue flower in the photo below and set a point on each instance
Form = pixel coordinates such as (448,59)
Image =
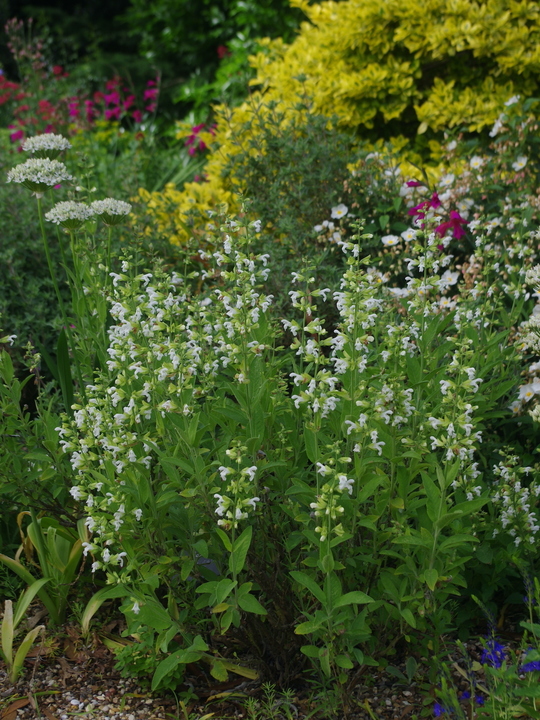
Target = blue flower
(530,666)
(479,699)
(439,710)
(493,654)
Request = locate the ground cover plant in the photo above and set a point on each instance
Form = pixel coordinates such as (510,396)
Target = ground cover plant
(302,445)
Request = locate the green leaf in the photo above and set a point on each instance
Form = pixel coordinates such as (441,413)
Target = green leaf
(307,627)
(219,671)
(64,371)
(310,443)
(310,584)
(167,666)
(26,598)
(22,652)
(311,651)
(251,604)
(7,633)
(224,539)
(407,615)
(237,558)
(343,661)
(97,600)
(431,576)
(353,598)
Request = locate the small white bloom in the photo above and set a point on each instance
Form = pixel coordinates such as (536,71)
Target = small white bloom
(390,240)
(476,162)
(520,163)
(409,234)
(339,211)
(136,608)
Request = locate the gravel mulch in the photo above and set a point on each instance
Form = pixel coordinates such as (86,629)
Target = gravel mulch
(70,680)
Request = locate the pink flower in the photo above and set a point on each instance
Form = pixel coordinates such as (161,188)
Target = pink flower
(74,108)
(150,94)
(128,102)
(112,98)
(89,108)
(113,114)
(137,116)
(150,108)
(455,224)
(222,51)
(413,183)
(17,135)
(419,210)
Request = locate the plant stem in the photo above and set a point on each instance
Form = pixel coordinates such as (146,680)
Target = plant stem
(60,300)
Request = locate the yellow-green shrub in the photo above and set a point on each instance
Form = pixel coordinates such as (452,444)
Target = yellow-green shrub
(385,67)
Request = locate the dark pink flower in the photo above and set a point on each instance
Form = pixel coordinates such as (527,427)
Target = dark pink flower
(455,224)
(413,183)
(150,94)
(150,108)
(17,135)
(74,108)
(113,113)
(137,116)
(128,102)
(112,98)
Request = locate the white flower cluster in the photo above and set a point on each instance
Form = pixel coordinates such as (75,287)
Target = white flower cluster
(515,498)
(47,145)
(327,507)
(111,211)
(69,214)
(39,174)
(236,500)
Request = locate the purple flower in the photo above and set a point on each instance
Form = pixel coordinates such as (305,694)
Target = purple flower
(479,699)
(493,654)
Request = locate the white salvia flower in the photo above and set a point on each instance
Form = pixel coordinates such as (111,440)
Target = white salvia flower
(47,145)
(70,214)
(390,240)
(136,608)
(513,100)
(346,483)
(520,163)
(39,174)
(339,211)
(111,211)
(75,492)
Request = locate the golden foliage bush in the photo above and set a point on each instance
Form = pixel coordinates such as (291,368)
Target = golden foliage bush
(383,68)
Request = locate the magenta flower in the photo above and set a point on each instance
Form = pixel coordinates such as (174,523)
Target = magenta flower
(150,94)
(128,102)
(17,135)
(420,209)
(455,224)
(113,113)
(137,116)
(414,183)
(73,107)
(112,98)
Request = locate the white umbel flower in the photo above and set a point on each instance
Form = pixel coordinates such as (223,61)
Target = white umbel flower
(39,174)
(71,215)
(47,145)
(112,212)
